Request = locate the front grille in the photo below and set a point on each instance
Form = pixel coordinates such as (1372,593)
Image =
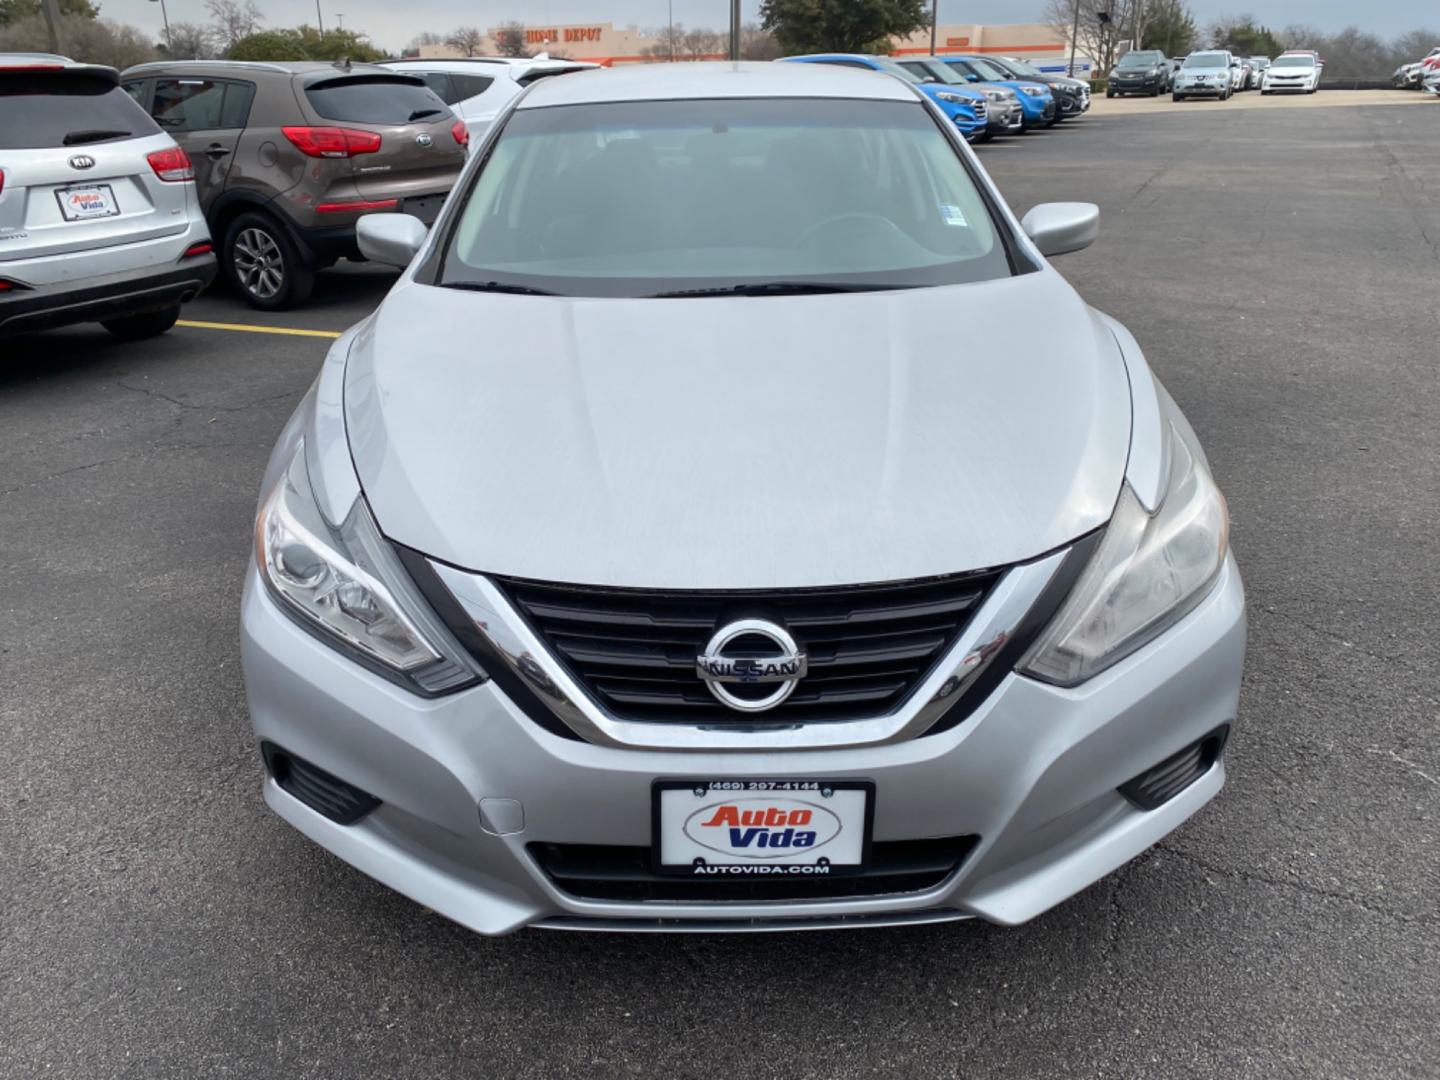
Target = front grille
(634,650)
(982,110)
(603,872)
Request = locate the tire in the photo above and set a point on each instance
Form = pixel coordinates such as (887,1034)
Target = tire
(1155,91)
(1109,93)
(264,265)
(1177,97)
(147,325)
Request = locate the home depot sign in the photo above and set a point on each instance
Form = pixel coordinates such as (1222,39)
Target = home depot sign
(553,34)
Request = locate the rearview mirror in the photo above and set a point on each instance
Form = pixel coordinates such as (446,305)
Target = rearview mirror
(392,239)
(1056,228)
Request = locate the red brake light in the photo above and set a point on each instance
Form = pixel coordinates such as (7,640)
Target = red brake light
(172,166)
(2,179)
(461,133)
(331,142)
(32,67)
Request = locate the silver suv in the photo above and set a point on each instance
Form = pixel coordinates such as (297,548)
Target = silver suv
(99,220)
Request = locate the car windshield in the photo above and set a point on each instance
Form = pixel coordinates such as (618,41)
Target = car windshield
(1022,67)
(1206,60)
(987,70)
(703,197)
(1139,60)
(944,72)
(890,67)
(1294,61)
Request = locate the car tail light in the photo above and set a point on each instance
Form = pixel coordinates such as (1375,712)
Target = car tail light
(172,165)
(202,248)
(332,142)
(461,133)
(7,68)
(2,180)
(356,204)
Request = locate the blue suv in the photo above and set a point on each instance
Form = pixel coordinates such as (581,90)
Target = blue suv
(1035,98)
(966,108)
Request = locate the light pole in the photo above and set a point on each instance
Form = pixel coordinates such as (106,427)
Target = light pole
(165,17)
(339,22)
(1074,34)
(934,18)
(319,22)
(734,29)
(670,27)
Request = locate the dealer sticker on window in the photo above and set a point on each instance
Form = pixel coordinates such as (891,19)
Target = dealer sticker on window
(84,203)
(953,215)
(755,828)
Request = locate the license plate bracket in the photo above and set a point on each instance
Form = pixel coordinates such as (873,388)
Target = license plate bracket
(760,827)
(86,202)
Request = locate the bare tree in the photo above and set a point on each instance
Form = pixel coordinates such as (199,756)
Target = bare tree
(190,41)
(466,40)
(700,43)
(757,43)
(233,20)
(1103,25)
(423,40)
(510,39)
(89,40)
(668,44)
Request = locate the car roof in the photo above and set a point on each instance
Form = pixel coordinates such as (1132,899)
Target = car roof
(282,67)
(21,59)
(515,65)
(714,79)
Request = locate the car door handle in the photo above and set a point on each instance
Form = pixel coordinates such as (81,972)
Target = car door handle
(215,150)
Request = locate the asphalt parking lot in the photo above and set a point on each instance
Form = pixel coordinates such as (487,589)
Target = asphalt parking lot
(1279,267)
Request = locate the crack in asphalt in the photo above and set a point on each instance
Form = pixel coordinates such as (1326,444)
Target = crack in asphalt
(1298,886)
(148,392)
(147,452)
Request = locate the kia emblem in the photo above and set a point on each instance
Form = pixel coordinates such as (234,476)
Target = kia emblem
(423,139)
(82,161)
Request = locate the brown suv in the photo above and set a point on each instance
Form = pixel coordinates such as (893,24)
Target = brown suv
(288,155)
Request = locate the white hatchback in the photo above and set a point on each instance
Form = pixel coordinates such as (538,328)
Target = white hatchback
(479,87)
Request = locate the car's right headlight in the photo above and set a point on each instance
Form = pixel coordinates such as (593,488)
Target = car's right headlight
(1149,571)
(1034,91)
(346,585)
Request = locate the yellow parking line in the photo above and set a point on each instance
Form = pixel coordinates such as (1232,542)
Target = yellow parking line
(251,329)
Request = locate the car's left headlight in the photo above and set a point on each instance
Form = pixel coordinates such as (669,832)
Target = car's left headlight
(346,585)
(954,99)
(1149,571)
(1034,91)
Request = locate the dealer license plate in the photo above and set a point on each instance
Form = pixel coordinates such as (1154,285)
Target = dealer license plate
(762,828)
(84,203)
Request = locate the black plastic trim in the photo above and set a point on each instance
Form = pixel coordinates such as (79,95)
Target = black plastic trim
(132,292)
(453,616)
(1160,783)
(1036,619)
(323,792)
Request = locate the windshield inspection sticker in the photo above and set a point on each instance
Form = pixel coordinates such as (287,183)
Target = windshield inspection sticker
(953,215)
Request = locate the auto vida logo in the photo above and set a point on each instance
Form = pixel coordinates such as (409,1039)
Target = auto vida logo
(82,161)
(728,659)
(423,139)
(763,828)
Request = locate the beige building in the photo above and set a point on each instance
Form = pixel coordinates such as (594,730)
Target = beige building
(602,43)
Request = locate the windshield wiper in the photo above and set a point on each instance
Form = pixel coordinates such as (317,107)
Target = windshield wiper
(420,114)
(89,135)
(777,288)
(498,286)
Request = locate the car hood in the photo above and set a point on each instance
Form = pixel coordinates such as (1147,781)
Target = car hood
(1205,71)
(754,442)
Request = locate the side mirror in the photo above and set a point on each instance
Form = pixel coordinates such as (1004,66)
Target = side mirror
(392,239)
(1056,228)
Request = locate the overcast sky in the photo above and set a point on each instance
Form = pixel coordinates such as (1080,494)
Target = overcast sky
(392,24)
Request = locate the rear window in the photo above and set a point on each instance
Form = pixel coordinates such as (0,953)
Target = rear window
(51,111)
(374,99)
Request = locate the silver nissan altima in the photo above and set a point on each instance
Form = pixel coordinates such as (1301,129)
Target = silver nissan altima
(686,543)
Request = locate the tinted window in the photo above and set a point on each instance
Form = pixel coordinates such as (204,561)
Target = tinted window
(468,86)
(66,111)
(136,90)
(188,104)
(439,82)
(237,104)
(1207,60)
(641,198)
(374,99)
(987,70)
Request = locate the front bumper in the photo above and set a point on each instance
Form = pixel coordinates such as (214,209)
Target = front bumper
(467,782)
(1005,119)
(104,297)
(1205,89)
(1137,86)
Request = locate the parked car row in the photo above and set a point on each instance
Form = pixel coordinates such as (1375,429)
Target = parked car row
(1422,74)
(123,195)
(1219,73)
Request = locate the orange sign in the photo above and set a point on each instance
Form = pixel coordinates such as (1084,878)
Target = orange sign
(957,41)
(571,33)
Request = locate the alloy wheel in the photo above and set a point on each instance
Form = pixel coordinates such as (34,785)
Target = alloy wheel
(259,263)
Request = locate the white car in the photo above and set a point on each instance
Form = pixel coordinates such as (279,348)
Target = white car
(479,87)
(1292,72)
(99,219)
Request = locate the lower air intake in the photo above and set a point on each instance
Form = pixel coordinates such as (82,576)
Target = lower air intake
(1155,787)
(601,872)
(327,795)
